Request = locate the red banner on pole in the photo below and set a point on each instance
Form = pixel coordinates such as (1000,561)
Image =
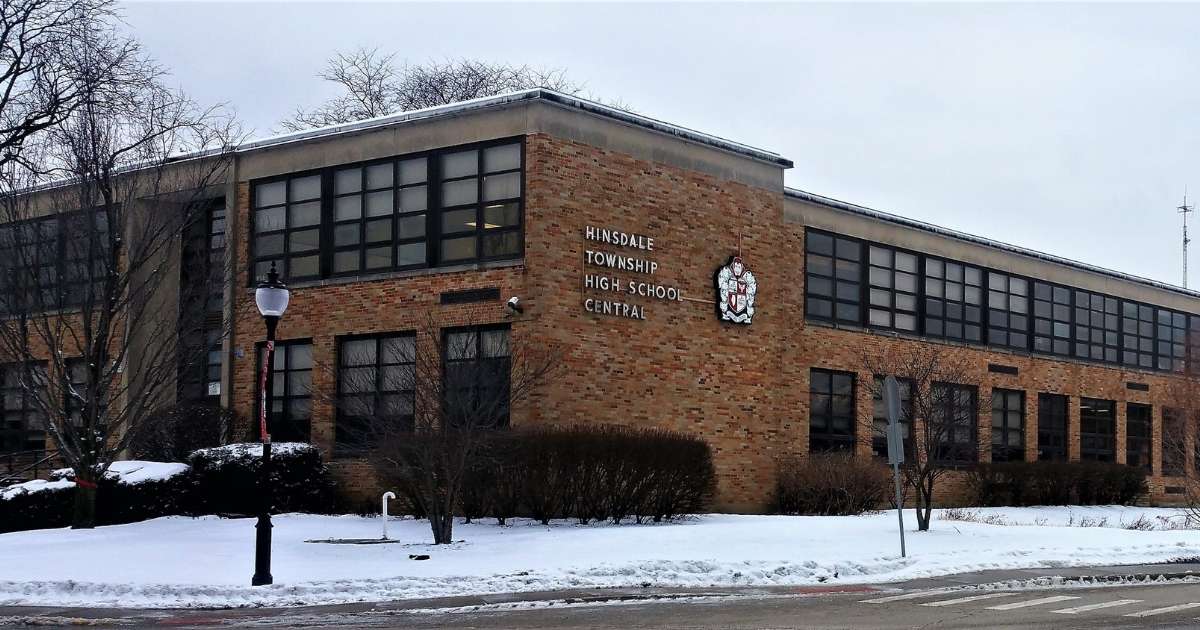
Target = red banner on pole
(262,388)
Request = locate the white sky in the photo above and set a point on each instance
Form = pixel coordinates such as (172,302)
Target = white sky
(1071,129)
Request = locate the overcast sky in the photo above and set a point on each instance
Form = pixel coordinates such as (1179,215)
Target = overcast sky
(1072,129)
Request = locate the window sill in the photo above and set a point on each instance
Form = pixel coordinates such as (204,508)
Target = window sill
(407,273)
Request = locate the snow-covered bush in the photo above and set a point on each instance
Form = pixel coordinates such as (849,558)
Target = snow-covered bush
(224,479)
(830,484)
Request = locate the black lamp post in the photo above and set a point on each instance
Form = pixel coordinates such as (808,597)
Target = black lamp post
(272,299)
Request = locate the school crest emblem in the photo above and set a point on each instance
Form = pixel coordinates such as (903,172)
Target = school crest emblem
(736,288)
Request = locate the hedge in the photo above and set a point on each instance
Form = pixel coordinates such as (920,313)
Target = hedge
(830,484)
(1057,483)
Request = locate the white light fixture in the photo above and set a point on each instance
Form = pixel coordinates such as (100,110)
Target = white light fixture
(272,296)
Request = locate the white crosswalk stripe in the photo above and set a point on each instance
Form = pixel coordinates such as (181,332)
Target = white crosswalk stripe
(1078,609)
(963,600)
(1163,611)
(1033,602)
(898,598)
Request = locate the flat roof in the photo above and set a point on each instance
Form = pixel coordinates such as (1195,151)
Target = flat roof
(888,217)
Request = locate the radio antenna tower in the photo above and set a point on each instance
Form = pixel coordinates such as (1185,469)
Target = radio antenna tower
(1184,210)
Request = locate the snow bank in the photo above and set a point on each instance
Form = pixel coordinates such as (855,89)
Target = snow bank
(251,450)
(182,562)
(131,472)
(31,487)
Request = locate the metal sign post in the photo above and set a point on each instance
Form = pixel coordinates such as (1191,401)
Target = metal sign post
(895,444)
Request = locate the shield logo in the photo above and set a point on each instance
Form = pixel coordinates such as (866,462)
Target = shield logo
(736,288)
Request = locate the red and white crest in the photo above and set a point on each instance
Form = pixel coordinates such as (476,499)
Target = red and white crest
(736,288)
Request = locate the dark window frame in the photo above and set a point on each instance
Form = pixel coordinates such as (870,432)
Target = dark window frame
(1052,439)
(828,438)
(1171,331)
(283,427)
(1050,310)
(949,448)
(1008,451)
(18,432)
(1139,444)
(952,313)
(885,296)
(345,441)
(1095,443)
(1138,340)
(1174,430)
(845,292)
(485,367)
(1008,326)
(879,419)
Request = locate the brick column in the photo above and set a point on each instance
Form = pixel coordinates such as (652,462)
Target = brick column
(1121,432)
(1073,429)
(984,424)
(1031,426)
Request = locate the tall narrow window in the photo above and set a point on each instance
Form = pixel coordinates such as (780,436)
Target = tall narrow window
(287,227)
(1174,437)
(24,429)
(1097,327)
(477,372)
(879,418)
(201,307)
(955,423)
(1172,340)
(1097,429)
(833,278)
(1008,425)
(375,389)
(1051,319)
(893,284)
(291,397)
(1137,324)
(1052,428)
(1008,311)
(1137,435)
(953,300)
(831,411)
(481,204)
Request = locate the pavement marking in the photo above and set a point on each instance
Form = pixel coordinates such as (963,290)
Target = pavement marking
(1163,611)
(1079,609)
(963,600)
(897,598)
(1033,602)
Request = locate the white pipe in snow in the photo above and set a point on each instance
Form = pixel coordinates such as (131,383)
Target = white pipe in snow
(386,496)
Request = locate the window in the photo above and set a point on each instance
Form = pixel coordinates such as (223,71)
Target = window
(953,300)
(201,307)
(291,397)
(1137,324)
(1052,428)
(1097,429)
(1137,435)
(53,262)
(24,426)
(480,210)
(1008,425)
(955,421)
(1051,319)
(1174,436)
(375,383)
(879,419)
(833,278)
(892,278)
(1096,326)
(375,216)
(477,372)
(1008,311)
(1172,340)
(831,411)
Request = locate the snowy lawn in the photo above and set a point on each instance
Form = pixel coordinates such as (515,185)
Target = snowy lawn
(185,562)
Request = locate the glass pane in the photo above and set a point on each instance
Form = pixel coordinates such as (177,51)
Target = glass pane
(347,181)
(300,356)
(507,186)
(358,352)
(415,199)
(379,230)
(268,194)
(502,158)
(458,248)
(410,254)
(347,208)
(379,176)
(304,214)
(460,345)
(304,188)
(503,244)
(397,377)
(345,261)
(412,171)
(304,267)
(268,220)
(379,257)
(459,193)
(271,245)
(345,234)
(411,227)
(458,221)
(379,203)
(398,349)
(304,240)
(460,164)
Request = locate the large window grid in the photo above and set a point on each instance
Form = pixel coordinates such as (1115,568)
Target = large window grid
(53,262)
(477,376)
(375,216)
(879,418)
(1051,319)
(1097,429)
(291,395)
(956,423)
(1137,339)
(833,286)
(892,279)
(953,300)
(376,378)
(1008,311)
(1137,435)
(1172,332)
(1052,428)
(831,411)
(1008,425)
(24,427)
(1174,437)
(1097,327)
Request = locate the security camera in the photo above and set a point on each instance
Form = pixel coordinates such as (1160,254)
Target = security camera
(514,306)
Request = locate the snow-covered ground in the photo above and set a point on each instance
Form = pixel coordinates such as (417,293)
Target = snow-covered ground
(178,562)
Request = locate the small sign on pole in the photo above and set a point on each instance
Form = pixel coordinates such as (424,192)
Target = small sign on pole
(895,444)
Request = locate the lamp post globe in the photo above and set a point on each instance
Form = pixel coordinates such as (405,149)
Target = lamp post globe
(272,298)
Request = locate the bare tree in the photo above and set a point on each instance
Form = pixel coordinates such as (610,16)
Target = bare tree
(942,412)
(89,335)
(374,86)
(423,409)
(1181,438)
(42,81)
